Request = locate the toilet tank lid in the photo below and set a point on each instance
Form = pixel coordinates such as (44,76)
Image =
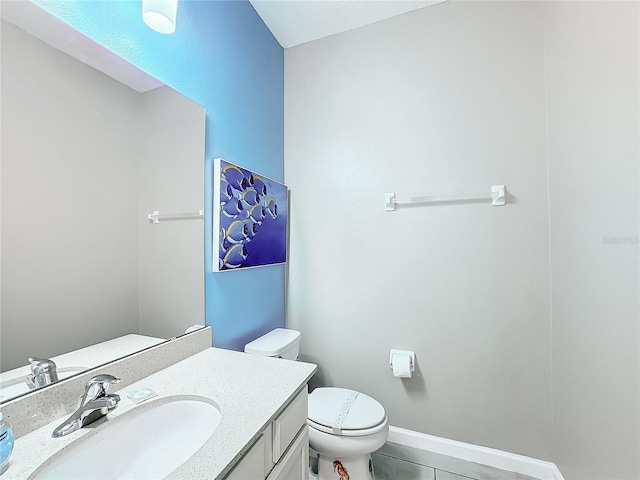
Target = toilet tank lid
(274,343)
(352,410)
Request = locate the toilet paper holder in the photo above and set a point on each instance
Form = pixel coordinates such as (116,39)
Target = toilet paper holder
(401,354)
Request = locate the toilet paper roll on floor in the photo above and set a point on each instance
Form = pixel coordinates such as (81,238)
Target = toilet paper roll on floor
(402,363)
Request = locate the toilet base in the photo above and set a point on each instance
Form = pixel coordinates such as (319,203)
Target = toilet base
(351,468)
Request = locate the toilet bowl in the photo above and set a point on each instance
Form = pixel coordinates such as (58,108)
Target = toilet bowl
(345,426)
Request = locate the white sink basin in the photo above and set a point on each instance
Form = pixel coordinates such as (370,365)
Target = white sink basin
(148,442)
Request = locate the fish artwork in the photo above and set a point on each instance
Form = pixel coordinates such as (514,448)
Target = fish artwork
(250,197)
(337,465)
(252,229)
(235,256)
(237,232)
(259,185)
(257,214)
(235,177)
(226,192)
(231,208)
(271,206)
(250,211)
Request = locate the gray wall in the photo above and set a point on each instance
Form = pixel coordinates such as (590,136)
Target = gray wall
(444,100)
(524,321)
(84,160)
(593,114)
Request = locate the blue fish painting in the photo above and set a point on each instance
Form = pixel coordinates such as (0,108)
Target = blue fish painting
(250,214)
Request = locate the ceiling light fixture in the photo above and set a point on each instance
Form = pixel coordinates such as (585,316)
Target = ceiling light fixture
(160,15)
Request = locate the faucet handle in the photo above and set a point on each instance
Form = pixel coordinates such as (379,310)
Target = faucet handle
(97,386)
(104,378)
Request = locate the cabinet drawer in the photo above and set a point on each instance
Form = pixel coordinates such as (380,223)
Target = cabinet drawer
(289,423)
(294,465)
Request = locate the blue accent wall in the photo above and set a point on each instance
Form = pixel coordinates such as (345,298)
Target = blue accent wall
(223,57)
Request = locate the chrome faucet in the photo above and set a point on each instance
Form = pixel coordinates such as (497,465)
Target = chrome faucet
(95,404)
(43,372)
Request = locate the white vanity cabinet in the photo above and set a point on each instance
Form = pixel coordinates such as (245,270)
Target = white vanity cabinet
(282,451)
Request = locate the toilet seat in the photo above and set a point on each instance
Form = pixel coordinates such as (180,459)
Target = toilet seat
(344,412)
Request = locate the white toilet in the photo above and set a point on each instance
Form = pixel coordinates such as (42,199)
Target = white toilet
(345,426)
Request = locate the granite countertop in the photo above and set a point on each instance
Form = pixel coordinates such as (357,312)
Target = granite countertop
(249,390)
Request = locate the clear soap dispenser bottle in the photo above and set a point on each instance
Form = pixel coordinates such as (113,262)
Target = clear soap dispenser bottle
(6,443)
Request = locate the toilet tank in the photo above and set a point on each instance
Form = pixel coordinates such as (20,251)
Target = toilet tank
(280,342)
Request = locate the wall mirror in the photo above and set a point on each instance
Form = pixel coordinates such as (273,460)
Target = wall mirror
(86,277)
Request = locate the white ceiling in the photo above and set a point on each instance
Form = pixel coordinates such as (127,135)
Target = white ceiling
(294,22)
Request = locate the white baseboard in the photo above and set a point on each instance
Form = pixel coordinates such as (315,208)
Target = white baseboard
(511,462)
